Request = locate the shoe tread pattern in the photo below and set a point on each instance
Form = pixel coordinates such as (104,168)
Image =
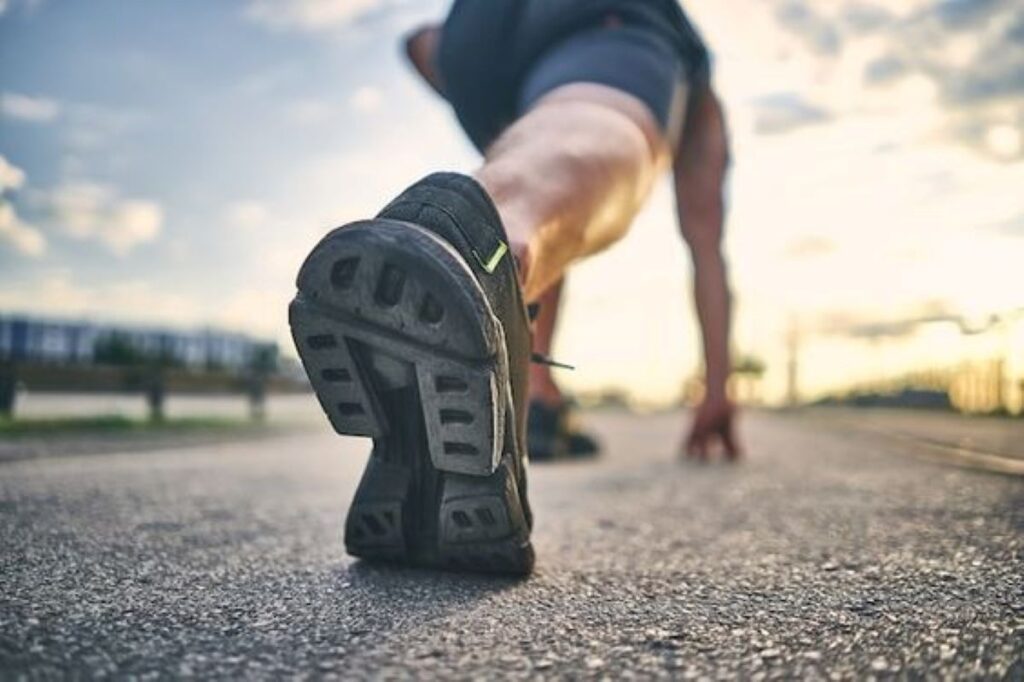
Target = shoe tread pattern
(383,293)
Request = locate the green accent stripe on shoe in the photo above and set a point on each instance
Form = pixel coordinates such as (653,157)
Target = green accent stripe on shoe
(491,264)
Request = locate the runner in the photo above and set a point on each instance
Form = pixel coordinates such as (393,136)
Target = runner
(414,326)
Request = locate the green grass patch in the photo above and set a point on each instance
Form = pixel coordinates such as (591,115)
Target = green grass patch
(114,424)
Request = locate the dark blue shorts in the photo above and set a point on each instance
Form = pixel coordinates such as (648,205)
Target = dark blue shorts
(498,57)
(628,58)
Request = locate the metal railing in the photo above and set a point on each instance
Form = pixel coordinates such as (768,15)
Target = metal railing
(152,382)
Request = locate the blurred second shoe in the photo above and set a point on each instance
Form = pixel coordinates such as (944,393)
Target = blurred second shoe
(551,434)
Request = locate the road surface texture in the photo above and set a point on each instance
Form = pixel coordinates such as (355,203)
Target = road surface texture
(828,553)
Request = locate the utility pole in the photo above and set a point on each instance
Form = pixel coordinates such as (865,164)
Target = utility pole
(793,364)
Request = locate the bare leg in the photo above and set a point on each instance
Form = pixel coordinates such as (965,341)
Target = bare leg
(570,175)
(542,383)
(567,179)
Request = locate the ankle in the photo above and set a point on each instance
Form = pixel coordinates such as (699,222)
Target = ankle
(546,392)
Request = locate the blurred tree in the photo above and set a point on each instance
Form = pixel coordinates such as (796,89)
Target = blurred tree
(262,363)
(264,359)
(116,348)
(749,365)
(747,371)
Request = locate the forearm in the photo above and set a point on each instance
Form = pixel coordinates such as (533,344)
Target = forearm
(713,302)
(700,168)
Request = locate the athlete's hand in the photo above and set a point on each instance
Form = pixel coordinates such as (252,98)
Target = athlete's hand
(421,49)
(713,423)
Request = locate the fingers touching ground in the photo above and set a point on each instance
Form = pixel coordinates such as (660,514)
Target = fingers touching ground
(713,430)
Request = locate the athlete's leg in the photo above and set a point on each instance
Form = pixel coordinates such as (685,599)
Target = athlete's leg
(542,383)
(569,176)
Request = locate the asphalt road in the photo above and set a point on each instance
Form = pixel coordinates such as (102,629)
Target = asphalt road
(829,552)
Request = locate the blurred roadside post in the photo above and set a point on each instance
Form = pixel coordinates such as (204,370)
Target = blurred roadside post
(156,394)
(262,366)
(8,388)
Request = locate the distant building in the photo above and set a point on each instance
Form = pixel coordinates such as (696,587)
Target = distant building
(52,341)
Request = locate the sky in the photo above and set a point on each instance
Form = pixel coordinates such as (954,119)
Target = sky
(172,162)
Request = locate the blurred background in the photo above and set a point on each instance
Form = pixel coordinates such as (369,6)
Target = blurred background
(165,166)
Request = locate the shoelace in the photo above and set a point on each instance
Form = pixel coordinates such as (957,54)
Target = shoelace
(540,359)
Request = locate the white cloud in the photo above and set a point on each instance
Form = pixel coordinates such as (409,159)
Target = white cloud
(366,99)
(27,108)
(93,211)
(310,15)
(57,293)
(24,238)
(856,56)
(260,309)
(784,112)
(247,215)
(11,177)
(1004,141)
(134,222)
(25,6)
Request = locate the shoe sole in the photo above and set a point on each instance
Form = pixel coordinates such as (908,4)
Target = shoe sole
(400,345)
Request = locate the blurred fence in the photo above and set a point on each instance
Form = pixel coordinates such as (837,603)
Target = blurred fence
(55,356)
(153,383)
(974,387)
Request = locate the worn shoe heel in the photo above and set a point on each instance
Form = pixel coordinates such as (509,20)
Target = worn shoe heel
(400,345)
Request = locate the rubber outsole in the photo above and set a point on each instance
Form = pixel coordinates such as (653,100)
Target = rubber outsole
(400,345)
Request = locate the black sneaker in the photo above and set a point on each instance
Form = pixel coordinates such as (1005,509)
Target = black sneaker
(413,332)
(551,434)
